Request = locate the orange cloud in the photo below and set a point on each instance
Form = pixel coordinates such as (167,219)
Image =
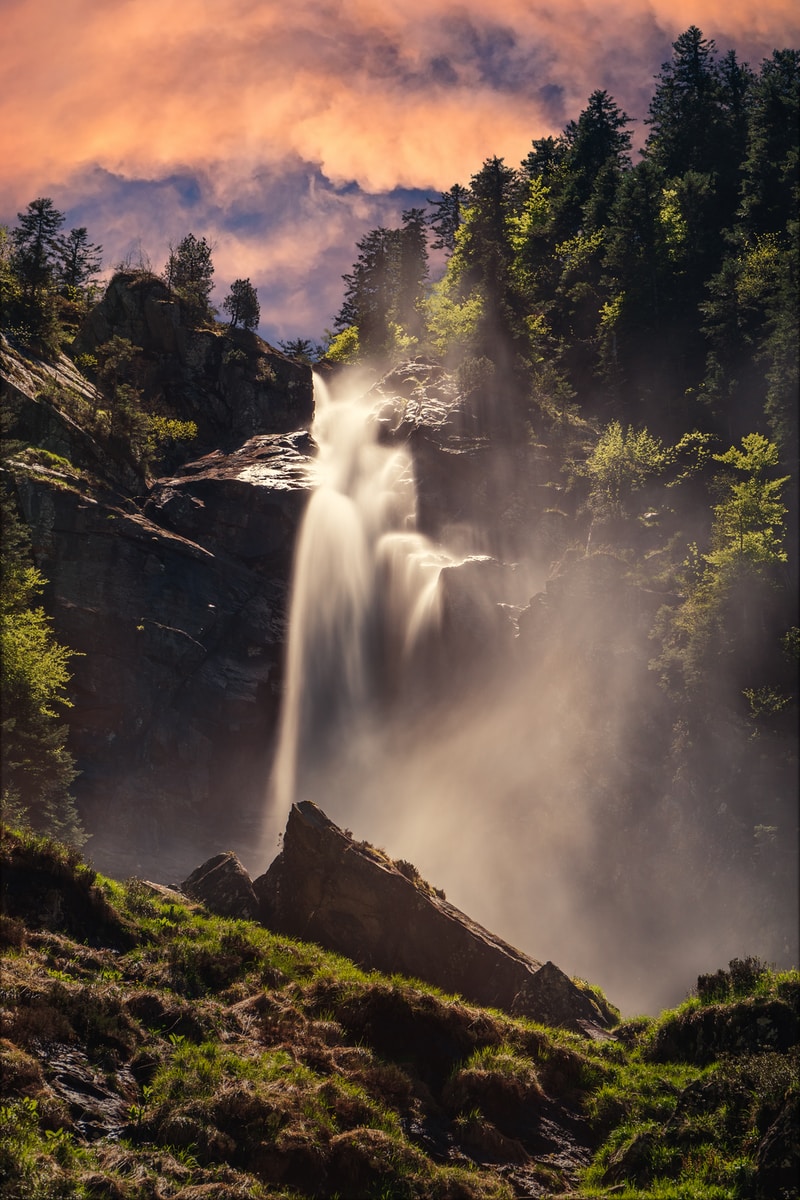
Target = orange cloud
(138,87)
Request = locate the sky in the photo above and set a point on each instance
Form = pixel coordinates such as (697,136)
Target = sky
(284,132)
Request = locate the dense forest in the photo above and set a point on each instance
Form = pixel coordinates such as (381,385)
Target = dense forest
(637,317)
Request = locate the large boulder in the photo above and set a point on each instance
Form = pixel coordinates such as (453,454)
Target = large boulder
(353,899)
(224,886)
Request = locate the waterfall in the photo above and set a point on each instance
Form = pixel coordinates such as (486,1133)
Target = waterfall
(364,596)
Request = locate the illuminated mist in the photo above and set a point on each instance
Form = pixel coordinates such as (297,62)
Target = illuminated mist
(526,784)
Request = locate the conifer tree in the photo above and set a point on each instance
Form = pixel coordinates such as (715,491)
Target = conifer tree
(241,304)
(35,242)
(448,216)
(190,272)
(79,260)
(684,112)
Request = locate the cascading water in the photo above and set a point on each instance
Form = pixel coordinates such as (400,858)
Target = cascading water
(364,597)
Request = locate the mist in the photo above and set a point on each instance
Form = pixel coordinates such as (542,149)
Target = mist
(525,768)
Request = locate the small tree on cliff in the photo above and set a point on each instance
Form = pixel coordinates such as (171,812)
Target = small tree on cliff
(241,304)
(190,272)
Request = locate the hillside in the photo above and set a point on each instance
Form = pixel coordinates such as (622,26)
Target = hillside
(152,1050)
(508,586)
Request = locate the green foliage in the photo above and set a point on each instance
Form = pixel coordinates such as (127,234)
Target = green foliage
(452,322)
(37,768)
(166,431)
(79,260)
(383,293)
(344,347)
(190,273)
(620,465)
(749,524)
(35,243)
(741,979)
(302,349)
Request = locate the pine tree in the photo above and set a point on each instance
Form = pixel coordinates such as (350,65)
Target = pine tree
(370,291)
(79,260)
(241,304)
(447,218)
(35,242)
(412,271)
(190,272)
(684,114)
(597,149)
(770,196)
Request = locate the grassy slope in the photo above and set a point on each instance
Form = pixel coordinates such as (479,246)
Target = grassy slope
(151,1050)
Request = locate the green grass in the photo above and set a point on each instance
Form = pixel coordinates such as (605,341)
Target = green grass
(270,1066)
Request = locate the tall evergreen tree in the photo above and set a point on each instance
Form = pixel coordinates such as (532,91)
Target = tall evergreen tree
(597,148)
(447,217)
(35,242)
(684,116)
(79,260)
(412,271)
(770,187)
(546,159)
(371,291)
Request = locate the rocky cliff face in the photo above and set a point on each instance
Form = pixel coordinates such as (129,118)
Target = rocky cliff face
(229,381)
(174,593)
(177,690)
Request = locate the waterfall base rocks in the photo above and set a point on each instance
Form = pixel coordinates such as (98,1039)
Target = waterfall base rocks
(354,900)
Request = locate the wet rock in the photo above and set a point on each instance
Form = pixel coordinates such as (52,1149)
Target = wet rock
(352,899)
(179,675)
(223,885)
(248,503)
(474,618)
(97,1109)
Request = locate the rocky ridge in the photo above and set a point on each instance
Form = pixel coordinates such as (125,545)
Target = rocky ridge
(325,887)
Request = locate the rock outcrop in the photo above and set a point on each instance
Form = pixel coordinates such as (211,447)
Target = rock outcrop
(223,885)
(247,503)
(475,491)
(353,899)
(229,382)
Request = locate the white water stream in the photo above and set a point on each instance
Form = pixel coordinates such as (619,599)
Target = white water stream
(364,597)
